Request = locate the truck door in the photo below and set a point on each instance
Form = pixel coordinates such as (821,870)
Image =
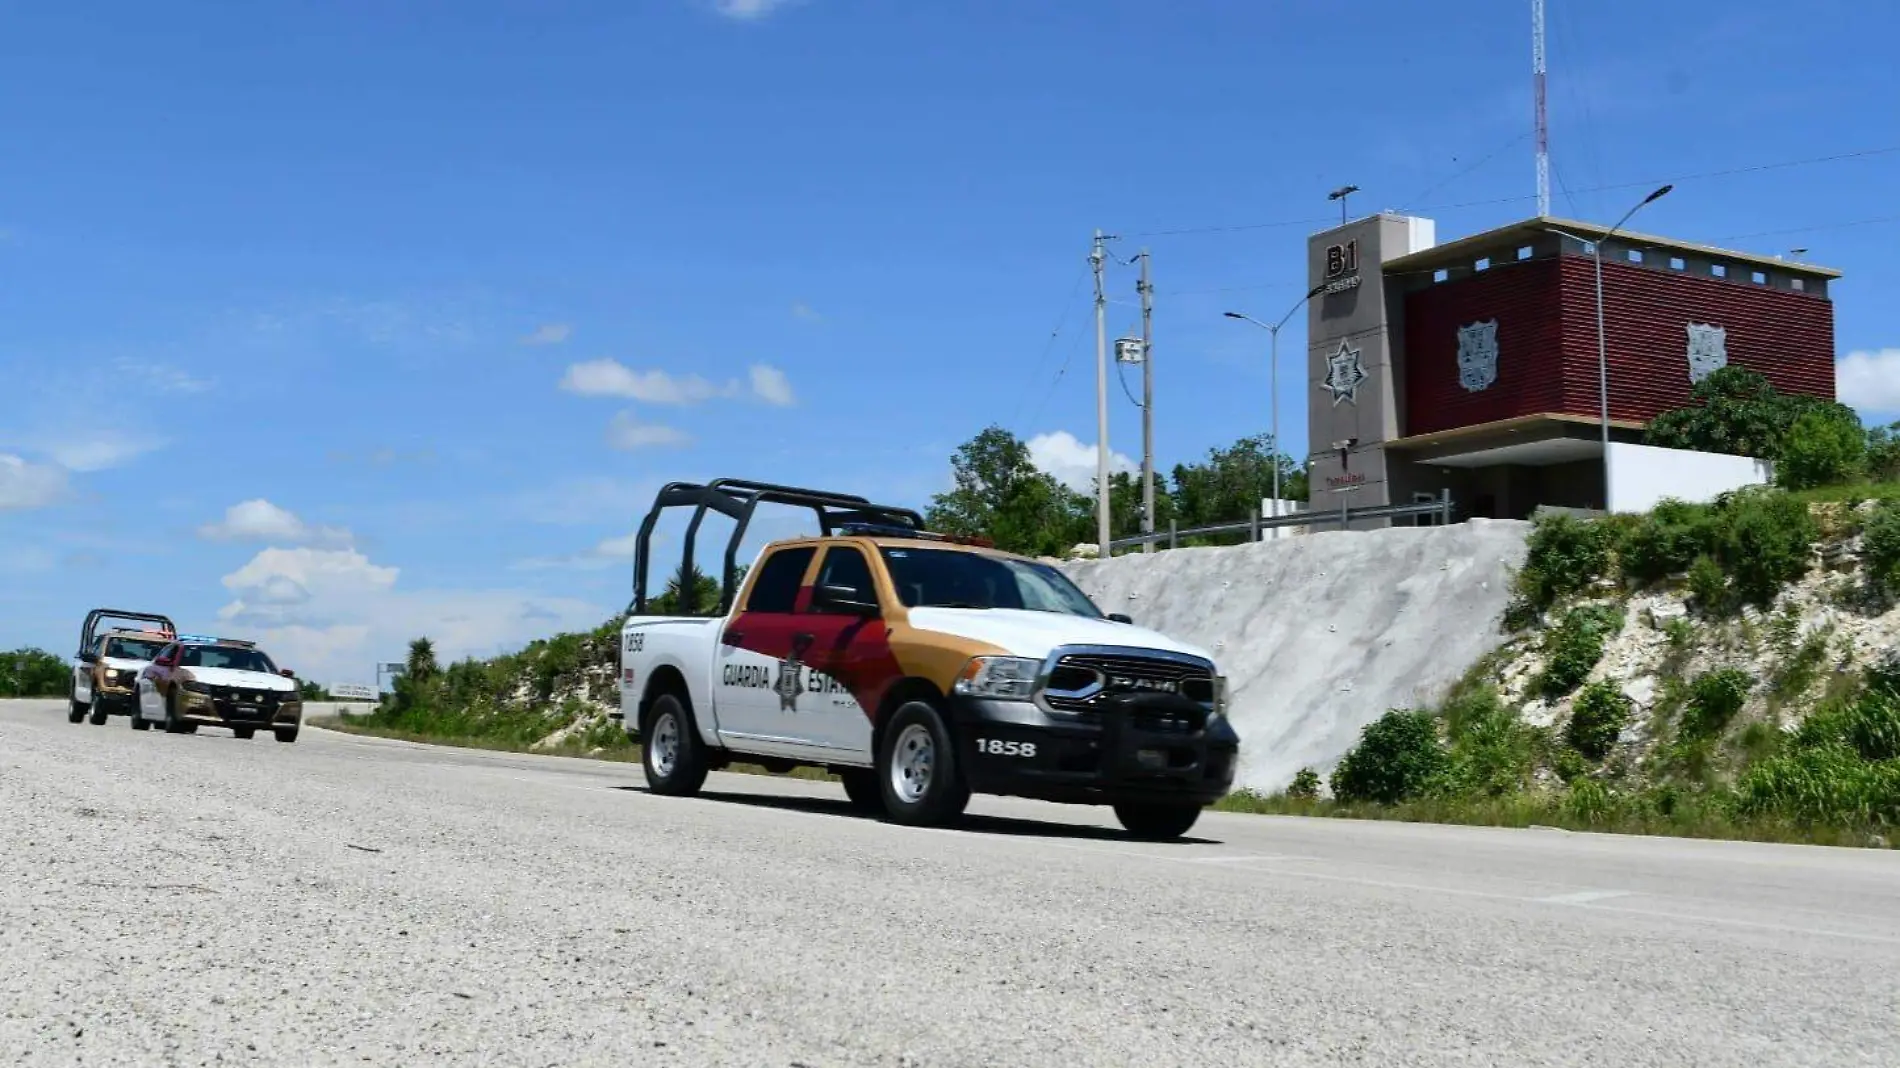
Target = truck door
(847,655)
(752,673)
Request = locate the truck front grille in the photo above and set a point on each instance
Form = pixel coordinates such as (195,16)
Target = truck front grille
(1079,682)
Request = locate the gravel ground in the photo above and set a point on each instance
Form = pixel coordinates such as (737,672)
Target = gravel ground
(199,900)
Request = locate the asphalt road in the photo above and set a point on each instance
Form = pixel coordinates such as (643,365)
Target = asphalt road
(195,899)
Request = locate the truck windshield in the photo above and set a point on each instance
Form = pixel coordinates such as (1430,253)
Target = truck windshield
(211,656)
(947,578)
(132,648)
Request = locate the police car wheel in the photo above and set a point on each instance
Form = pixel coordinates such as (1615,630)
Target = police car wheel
(175,724)
(671,753)
(286,736)
(860,786)
(99,714)
(76,713)
(917,769)
(1157,820)
(139,722)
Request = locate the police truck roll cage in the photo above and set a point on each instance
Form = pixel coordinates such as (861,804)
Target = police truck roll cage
(89,634)
(737,499)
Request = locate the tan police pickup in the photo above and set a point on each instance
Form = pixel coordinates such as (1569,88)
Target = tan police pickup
(106,668)
(920,669)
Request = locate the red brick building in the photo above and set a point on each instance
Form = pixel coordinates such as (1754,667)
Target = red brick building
(1472,366)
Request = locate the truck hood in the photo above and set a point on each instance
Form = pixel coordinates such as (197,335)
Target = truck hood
(1035,634)
(249,680)
(119,663)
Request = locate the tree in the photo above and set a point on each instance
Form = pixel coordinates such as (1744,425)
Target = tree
(1124,504)
(705,599)
(33,673)
(1824,447)
(422,664)
(1001,495)
(1229,485)
(1883,452)
(1735,411)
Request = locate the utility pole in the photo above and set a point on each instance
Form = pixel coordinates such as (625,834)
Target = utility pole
(1147,290)
(1101,401)
(1542,118)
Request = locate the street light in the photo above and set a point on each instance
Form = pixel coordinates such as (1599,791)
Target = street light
(1603,360)
(1274,359)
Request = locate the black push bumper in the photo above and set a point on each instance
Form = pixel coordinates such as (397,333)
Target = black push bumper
(1145,748)
(113,703)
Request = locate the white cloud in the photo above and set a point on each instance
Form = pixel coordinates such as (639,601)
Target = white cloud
(749,10)
(611,378)
(628,433)
(260,520)
(98,450)
(610,552)
(549,334)
(583,500)
(801,310)
(332,614)
(1071,462)
(162,378)
(1869,380)
(770,385)
(26,485)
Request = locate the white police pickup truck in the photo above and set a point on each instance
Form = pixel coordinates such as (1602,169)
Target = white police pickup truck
(920,669)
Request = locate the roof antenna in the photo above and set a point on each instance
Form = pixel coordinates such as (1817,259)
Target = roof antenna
(1543,122)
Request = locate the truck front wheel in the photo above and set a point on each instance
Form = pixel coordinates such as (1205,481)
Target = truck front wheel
(1157,821)
(917,768)
(673,755)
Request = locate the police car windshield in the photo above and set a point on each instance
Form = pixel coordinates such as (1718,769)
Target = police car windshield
(945,578)
(132,648)
(232,659)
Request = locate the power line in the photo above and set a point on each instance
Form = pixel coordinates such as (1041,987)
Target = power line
(1645,184)
(1068,305)
(1443,182)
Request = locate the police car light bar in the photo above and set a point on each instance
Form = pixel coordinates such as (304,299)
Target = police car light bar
(206,639)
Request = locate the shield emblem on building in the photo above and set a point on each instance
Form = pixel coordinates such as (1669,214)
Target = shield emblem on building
(1478,355)
(1708,350)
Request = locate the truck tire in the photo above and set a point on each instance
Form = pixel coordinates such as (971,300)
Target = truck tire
(1157,820)
(99,713)
(917,771)
(671,751)
(76,713)
(174,723)
(139,722)
(860,785)
(287,735)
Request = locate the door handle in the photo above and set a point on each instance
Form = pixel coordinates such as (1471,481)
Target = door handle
(733,637)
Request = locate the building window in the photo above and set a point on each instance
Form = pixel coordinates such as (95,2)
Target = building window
(1675,263)
(1800,284)
(1440,274)
(1524,253)
(1483,264)
(1718,270)
(1635,255)
(1759,278)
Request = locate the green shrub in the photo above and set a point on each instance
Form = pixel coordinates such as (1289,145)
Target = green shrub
(1708,585)
(1575,646)
(1880,546)
(1829,784)
(34,673)
(1599,715)
(1305,785)
(1564,554)
(1714,699)
(1493,752)
(1766,540)
(1397,757)
(1824,447)
(1664,542)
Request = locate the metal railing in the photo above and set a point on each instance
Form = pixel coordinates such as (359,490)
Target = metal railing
(1440,511)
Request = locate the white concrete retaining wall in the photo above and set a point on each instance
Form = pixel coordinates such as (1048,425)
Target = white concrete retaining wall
(1642,475)
(1319,635)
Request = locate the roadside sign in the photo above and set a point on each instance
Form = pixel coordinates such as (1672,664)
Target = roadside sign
(353,691)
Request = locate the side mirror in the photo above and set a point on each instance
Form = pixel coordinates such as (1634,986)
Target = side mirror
(845,599)
(287,673)
(87,656)
(1117,617)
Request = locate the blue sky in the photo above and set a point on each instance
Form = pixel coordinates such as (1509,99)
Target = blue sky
(336,323)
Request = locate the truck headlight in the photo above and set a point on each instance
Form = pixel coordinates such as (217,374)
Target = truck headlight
(999,678)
